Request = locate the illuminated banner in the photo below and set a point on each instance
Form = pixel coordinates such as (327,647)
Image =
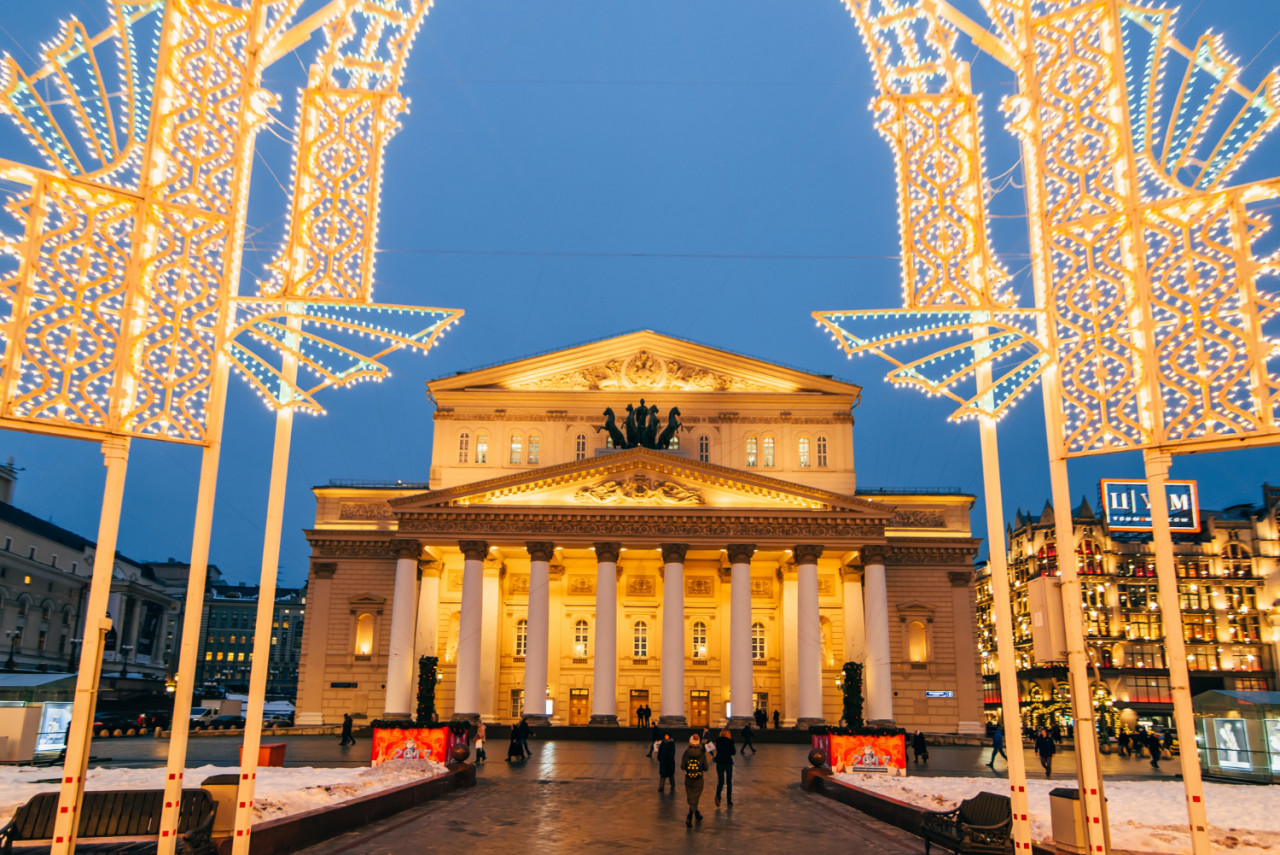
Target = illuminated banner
(423,743)
(1126,505)
(868,754)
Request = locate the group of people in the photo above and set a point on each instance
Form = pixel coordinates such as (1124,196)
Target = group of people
(644,716)
(1131,744)
(694,765)
(1046,740)
(762,719)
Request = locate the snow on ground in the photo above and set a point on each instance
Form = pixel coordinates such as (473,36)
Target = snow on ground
(280,791)
(1146,816)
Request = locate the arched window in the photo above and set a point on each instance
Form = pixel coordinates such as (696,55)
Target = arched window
(753,451)
(522,637)
(704,449)
(699,640)
(464,447)
(640,641)
(580,447)
(768,451)
(822,452)
(364,635)
(758,651)
(517,447)
(535,443)
(1236,561)
(804,452)
(580,636)
(1087,557)
(482,447)
(917,642)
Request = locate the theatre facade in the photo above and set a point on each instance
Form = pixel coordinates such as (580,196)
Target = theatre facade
(641,521)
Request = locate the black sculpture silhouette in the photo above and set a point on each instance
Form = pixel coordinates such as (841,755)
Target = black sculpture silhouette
(610,427)
(669,432)
(642,427)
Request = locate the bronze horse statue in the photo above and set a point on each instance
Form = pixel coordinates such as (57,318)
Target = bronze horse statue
(610,427)
(669,432)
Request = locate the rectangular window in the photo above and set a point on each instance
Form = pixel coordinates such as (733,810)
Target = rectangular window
(1146,656)
(40,640)
(753,450)
(768,451)
(757,642)
(1202,659)
(1149,690)
(822,452)
(804,452)
(1199,628)
(464,448)
(208,656)
(517,451)
(1244,627)
(517,703)
(31,553)
(8,544)
(1145,626)
(534,443)
(1192,598)
(580,447)
(53,562)
(640,642)
(704,449)
(482,448)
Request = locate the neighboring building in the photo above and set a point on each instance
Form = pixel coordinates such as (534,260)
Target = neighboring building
(227,633)
(1228,588)
(752,512)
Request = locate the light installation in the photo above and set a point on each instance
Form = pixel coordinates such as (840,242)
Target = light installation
(122,313)
(1151,328)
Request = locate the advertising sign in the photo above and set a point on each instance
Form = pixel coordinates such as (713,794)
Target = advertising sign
(869,754)
(55,718)
(421,743)
(1126,505)
(1272,726)
(1233,743)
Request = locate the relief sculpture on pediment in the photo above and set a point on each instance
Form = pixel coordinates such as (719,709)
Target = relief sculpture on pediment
(912,518)
(640,586)
(643,371)
(365,511)
(637,490)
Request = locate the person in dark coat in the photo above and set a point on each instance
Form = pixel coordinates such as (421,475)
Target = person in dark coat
(694,765)
(747,734)
(997,747)
(1154,745)
(347,723)
(762,719)
(524,732)
(1123,740)
(777,719)
(514,750)
(724,766)
(667,762)
(655,736)
(1045,750)
(919,747)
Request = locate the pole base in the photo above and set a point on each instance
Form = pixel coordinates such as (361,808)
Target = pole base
(807,722)
(673,721)
(603,721)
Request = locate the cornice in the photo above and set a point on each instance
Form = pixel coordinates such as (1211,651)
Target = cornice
(327,545)
(934,554)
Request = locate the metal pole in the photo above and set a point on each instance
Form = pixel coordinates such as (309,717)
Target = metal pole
(115,453)
(1157,466)
(1000,595)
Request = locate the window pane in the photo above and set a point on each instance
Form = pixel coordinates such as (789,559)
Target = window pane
(804,452)
(822,451)
(640,641)
(699,640)
(751,450)
(522,636)
(580,639)
(768,451)
(534,443)
(517,449)
(580,447)
(757,641)
(482,447)
(464,448)
(704,449)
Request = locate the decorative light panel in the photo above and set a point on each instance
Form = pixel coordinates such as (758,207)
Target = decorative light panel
(122,278)
(1150,296)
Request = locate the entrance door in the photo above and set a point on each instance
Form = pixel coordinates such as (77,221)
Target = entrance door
(699,708)
(639,698)
(760,701)
(579,706)
(517,703)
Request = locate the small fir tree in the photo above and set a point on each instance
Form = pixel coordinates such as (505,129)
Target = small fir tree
(852,685)
(427,689)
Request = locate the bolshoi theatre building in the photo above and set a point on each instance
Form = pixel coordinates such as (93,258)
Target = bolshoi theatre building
(641,521)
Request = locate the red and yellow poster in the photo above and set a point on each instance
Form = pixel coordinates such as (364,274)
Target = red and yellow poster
(423,743)
(869,754)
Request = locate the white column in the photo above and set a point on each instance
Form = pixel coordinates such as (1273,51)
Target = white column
(790,700)
(808,637)
(672,705)
(467,697)
(427,635)
(740,680)
(494,569)
(404,614)
(855,631)
(879,688)
(535,660)
(604,667)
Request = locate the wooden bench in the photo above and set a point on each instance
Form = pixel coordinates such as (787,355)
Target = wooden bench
(117,814)
(981,824)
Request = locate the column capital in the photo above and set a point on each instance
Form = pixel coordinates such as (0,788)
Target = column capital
(673,553)
(851,572)
(541,550)
(740,553)
(874,554)
(405,549)
(608,551)
(429,568)
(960,578)
(474,550)
(495,566)
(324,569)
(808,553)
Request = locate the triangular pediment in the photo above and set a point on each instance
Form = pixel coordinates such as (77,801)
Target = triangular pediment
(641,478)
(643,362)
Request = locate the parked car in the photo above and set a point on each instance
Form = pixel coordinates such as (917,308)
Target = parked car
(107,723)
(277,721)
(227,722)
(201,716)
(155,718)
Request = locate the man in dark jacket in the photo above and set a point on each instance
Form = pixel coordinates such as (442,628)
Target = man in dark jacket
(1045,751)
(997,747)
(747,734)
(777,719)
(347,723)
(1154,745)
(666,762)
(655,736)
(919,747)
(724,766)
(525,732)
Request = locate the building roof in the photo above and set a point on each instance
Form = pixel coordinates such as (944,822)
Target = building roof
(47,530)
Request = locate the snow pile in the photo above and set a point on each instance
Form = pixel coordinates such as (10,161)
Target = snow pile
(1146,816)
(280,791)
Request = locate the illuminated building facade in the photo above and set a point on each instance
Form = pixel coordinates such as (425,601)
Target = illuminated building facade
(556,574)
(1227,588)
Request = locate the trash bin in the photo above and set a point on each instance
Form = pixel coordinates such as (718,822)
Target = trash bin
(1066,815)
(223,790)
(269,754)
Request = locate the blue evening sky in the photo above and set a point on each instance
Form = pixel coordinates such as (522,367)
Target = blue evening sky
(576,169)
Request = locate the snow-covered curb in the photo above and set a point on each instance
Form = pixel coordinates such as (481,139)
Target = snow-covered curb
(1146,816)
(280,791)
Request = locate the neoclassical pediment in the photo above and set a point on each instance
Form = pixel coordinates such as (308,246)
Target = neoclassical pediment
(640,478)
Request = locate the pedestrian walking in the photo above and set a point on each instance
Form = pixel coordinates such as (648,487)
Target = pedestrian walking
(919,747)
(1167,741)
(747,734)
(1154,746)
(347,723)
(514,749)
(1045,750)
(480,731)
(523,731)
(694,765)
(762,718)
(667,762)
(777,719)
(1056,733)
(1123,741)
(724,766)
(997,747)
(655,736)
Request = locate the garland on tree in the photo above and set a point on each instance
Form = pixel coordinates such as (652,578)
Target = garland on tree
(852,685)
(427,674)
(826,729)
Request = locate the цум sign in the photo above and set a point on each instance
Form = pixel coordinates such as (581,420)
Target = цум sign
(1126,505)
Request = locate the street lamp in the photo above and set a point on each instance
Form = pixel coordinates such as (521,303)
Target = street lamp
(14,635)
(124,658)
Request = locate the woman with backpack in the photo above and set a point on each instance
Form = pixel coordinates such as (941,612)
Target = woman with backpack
(694,765)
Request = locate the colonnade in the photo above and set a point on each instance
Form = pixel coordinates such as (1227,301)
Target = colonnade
(866,616)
